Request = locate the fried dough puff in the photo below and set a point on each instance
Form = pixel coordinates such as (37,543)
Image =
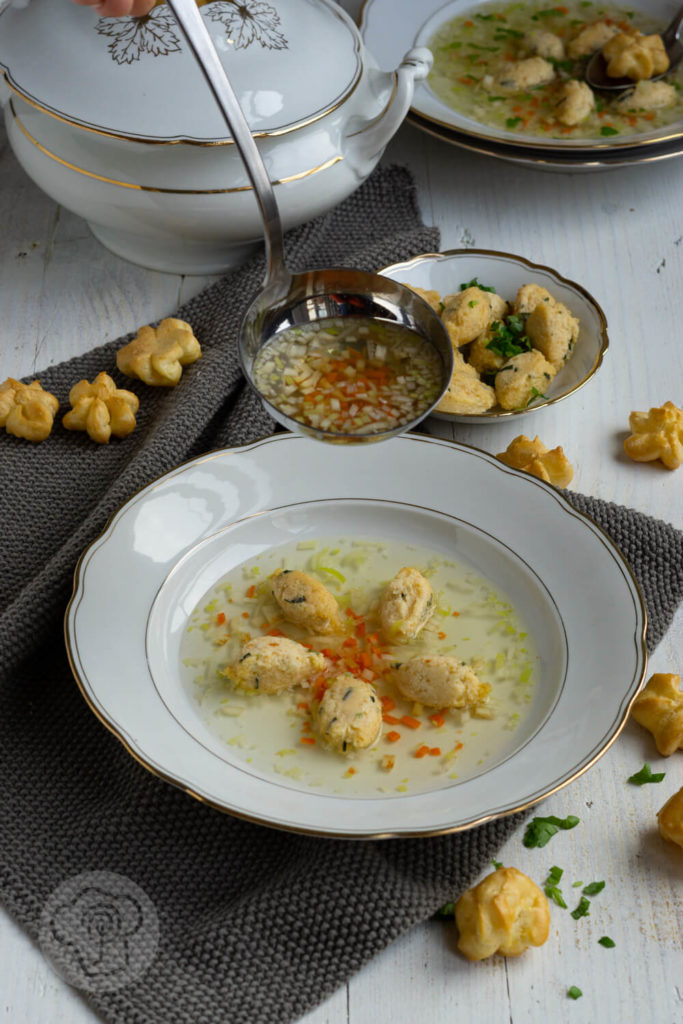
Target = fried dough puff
(534,457)
(158,354)
(506,913)
(26,410)
(657,434)
(659,708)
(101,409)
(633,55)
(670,819)
(440,681)
(406,605)
(306,602)
(272,664)
(348,717)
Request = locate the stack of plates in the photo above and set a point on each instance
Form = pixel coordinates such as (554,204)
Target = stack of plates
(390,27)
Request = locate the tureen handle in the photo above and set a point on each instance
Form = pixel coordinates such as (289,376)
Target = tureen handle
(365,146)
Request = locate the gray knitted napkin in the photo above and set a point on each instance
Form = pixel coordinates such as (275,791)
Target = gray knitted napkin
(158,908)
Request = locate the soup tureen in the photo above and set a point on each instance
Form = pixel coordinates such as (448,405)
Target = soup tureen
(113,119)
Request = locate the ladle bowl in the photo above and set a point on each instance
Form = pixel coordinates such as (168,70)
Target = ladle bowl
(319,295)
(289,300)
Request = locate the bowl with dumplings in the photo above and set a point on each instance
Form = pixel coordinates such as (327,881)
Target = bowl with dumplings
(524,337)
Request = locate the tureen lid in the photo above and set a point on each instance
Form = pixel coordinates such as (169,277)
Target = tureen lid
(289,61)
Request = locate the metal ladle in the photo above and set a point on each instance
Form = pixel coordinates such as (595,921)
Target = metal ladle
(287,299)
(596,68)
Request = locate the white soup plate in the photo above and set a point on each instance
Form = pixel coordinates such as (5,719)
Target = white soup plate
(136,585)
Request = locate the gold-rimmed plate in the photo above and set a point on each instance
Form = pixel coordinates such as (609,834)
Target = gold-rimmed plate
(175,540)
(388,26)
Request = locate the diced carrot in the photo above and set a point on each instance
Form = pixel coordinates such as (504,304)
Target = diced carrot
(421,751)
(437,719)
(275,632)
(391,719)
(350,642)
(412,723)
(252,590)
(303,705)
(351,614)
(308,740)
(220,618)
(435,751)
(388,703)
(365,659)
(360,629)
(393,736)
(245,615)
(373,638)
(441,635)
(305,726)
(456,615)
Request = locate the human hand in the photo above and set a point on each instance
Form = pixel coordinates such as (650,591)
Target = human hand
(118,8)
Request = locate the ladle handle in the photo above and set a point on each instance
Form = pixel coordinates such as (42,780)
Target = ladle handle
(195,31)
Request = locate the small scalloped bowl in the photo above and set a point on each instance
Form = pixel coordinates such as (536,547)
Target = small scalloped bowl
(444,272)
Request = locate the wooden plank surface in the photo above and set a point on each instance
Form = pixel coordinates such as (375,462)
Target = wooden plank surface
(619,234)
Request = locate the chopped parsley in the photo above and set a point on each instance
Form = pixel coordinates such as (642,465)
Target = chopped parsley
(582,909)
(535,393)
(540,831)
(593,888)
(645,775)
(447,910)
(512,122)
(552,889)
(608,130)
(549,12)
(607,942)
(510,33)
(475,284)
(497,863)
(508,338)
(574,992)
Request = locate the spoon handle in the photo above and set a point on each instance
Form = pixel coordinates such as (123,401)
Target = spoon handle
(191,22)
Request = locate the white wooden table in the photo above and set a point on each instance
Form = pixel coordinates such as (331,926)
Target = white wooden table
(620,233)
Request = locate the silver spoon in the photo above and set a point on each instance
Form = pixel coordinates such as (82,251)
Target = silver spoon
(596,68)
(287,299)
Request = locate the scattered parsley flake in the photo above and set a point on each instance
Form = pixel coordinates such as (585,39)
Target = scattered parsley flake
(646,775)
(540,831)
(607,942)
(447,910)
(512,122)
(574,992)
(496,863)
(608,130)
(551,887)
(593,888)
(582,910)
